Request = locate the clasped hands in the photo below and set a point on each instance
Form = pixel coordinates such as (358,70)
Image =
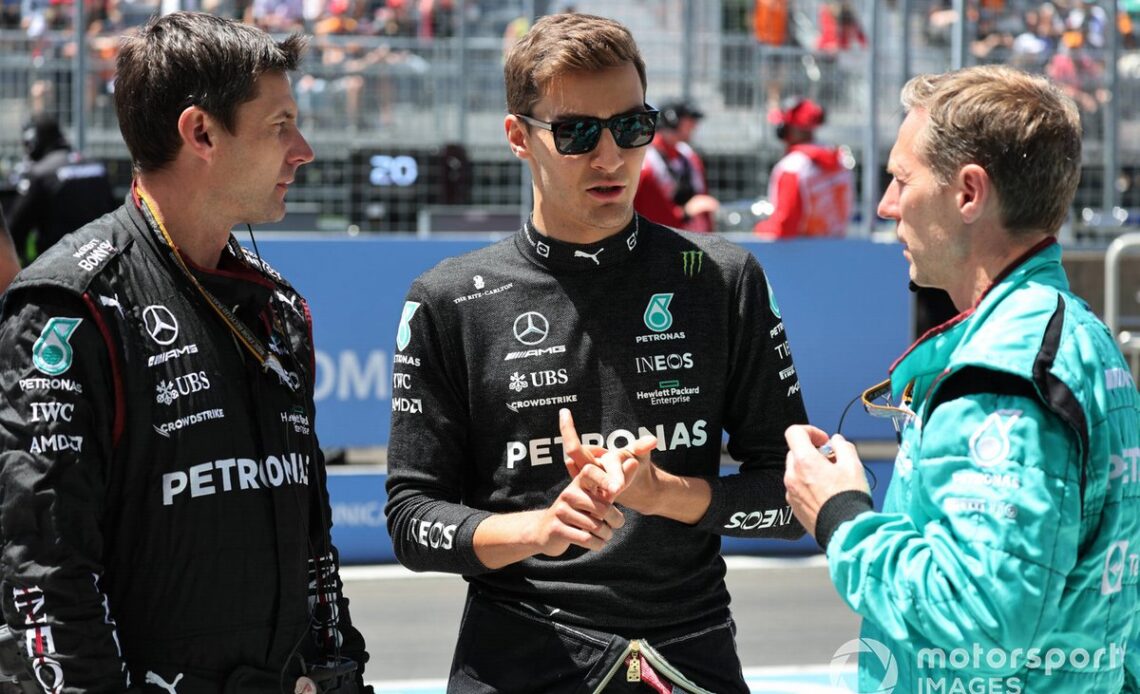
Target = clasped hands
(585,513)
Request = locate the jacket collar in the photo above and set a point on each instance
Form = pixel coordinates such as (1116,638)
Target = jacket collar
(580,257)
(1042,263)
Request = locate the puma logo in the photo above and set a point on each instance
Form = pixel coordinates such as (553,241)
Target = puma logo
(592,256)
(152,678)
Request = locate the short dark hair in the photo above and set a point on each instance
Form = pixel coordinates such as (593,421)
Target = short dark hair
(561,43)
(188,59)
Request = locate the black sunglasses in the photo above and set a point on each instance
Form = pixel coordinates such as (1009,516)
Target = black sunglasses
(581,135)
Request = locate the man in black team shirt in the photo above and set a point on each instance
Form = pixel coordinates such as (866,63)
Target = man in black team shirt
(608,578)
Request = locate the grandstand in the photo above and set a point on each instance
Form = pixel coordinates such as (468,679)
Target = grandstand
(382,80)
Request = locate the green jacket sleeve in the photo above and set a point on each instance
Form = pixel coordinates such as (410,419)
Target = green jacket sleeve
(975,546)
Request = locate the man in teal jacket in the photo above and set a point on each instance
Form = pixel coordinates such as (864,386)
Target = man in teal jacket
(1007,554)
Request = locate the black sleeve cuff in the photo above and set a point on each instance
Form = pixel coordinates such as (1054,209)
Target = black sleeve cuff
(838,510)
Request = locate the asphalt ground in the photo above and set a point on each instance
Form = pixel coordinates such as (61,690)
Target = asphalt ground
(790,621)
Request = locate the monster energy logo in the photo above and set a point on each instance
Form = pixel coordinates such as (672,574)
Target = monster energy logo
(691,262)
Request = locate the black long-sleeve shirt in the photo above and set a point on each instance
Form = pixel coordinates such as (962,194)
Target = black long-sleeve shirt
(649,331)
(163,510)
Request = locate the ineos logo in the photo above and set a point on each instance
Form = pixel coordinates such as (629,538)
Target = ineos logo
(160,324)
(531,328)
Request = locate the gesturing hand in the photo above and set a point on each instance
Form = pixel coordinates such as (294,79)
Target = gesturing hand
(630,477)
(579,516)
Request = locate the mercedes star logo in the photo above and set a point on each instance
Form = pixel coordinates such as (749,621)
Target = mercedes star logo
(160,324)
(531,328)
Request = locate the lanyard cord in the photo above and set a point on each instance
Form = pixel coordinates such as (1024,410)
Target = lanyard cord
(240,330)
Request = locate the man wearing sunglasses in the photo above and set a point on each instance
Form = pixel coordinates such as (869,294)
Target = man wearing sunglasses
(589,577)
(1008,547)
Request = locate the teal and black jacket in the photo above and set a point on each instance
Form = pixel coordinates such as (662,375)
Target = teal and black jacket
(1008,546)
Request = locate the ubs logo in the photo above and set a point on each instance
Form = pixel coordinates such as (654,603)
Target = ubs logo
(531,328)
(160,324)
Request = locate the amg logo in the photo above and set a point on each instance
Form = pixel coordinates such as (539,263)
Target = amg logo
(758,520)
(663,362)
(157,359)
(57,443)
(433,535)
(538,451)
(525,354)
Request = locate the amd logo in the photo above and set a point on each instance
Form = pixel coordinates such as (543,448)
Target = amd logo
(409,405)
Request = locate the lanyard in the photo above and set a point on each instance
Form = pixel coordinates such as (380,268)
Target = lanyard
(244,336)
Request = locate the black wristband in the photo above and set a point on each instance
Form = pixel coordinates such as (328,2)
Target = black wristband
(838,510)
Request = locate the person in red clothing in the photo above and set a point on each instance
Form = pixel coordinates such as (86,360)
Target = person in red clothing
(672,189)
(839,28)
(811,186)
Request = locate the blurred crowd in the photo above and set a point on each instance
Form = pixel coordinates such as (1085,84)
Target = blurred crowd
(1064,39)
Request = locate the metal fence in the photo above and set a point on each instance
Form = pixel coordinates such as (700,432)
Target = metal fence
(400,123)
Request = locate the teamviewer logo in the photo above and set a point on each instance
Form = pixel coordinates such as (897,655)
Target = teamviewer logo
(842,674)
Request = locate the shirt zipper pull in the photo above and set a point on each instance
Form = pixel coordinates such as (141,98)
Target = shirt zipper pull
(633,672)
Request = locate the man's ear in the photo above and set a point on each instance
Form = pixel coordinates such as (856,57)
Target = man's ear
(197,128)
(975,190)
(517,136)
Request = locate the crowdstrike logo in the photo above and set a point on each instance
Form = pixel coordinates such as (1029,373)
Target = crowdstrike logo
(843,672)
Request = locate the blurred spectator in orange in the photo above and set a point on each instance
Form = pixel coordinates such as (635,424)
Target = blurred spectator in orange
(771,26)
(672,189)
(810,188)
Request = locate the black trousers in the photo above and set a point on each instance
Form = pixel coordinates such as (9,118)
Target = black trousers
(513,649)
